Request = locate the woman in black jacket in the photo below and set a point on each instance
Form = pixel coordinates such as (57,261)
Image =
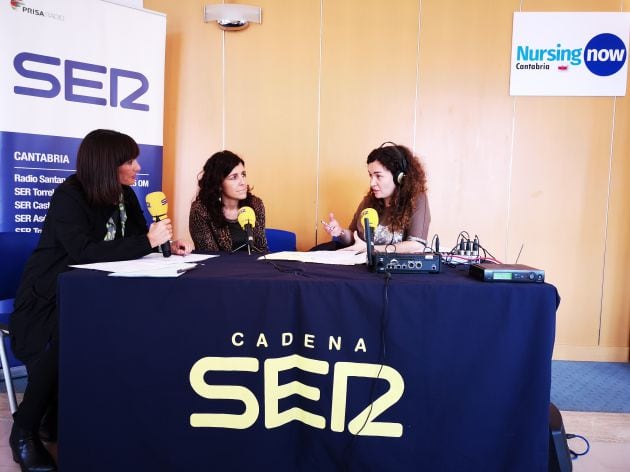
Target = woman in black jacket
(94,216)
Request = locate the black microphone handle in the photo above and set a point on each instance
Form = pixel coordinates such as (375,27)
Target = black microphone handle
(250,238)
(165,248)
(368,241)
(250,233)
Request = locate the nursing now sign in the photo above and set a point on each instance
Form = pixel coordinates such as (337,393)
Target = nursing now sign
(570,54)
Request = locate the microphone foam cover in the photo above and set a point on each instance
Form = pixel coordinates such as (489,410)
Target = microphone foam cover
(157,203)
(371,215)
(246,215)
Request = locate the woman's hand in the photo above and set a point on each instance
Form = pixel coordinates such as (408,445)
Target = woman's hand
(358,247)
(160,232)
(333,227)
(182,247)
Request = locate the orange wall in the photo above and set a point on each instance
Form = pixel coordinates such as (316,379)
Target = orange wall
(306,95)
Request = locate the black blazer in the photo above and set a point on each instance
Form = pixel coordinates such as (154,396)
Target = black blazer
(73,233)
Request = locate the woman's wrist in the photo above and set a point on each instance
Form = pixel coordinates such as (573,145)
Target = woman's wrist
(152,241)
(344,235)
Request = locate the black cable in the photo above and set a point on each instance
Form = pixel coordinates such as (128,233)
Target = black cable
(381,361)
(285,269)
(390,252)
(448,258)
(435,244)
(388,277)
(575,455)
(463,234)
(391,242)
(461,243)
(382,356)
(487,253)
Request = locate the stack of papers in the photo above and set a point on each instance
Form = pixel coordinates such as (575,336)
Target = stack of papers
(319,257)
(153,265)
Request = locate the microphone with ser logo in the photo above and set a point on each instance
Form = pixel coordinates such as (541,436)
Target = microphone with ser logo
(369,217)
(158,208)
(247,219)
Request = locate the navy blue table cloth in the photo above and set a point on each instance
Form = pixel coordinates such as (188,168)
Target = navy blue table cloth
(245,365)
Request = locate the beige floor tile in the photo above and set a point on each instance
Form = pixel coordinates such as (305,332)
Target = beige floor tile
(602,427)
(9,468)
(6,460)
(608,433)
(604,457)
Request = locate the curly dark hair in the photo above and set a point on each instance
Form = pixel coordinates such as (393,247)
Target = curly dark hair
(413,183)
(215,170)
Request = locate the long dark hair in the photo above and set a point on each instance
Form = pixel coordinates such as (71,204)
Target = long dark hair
(100,154)
(396,158)
(215,170)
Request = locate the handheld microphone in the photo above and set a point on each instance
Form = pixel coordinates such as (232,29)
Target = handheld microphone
(369,217)
(158,208)
(247,219)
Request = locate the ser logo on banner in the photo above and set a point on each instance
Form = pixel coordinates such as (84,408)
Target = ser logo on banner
(72,66)
(51,85)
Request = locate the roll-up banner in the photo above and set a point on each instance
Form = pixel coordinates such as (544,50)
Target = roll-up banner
(69,67)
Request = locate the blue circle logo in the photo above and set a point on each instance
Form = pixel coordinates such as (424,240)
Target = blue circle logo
(605,54)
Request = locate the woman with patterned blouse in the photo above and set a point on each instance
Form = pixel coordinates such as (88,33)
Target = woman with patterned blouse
(223,190)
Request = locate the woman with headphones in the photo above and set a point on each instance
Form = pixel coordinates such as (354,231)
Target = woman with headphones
(398,194)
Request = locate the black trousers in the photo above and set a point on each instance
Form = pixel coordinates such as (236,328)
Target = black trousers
(40,396)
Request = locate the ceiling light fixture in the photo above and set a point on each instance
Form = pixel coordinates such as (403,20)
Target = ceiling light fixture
(232,16)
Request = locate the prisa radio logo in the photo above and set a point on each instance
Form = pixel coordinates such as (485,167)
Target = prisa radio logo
(20,5)
(604,55)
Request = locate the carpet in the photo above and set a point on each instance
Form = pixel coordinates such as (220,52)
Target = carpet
(591,386)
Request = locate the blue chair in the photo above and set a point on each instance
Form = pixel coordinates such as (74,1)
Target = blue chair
(280,240)
(15,249)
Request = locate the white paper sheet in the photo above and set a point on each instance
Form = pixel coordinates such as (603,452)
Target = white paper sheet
(152,265)
(171,270)
(319,257)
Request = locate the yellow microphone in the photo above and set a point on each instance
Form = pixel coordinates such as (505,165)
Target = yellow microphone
(157,204)
(369,218)
(372,217)
(246,216)
(247,219)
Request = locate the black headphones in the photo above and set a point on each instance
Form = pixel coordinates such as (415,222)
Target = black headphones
(403,165)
